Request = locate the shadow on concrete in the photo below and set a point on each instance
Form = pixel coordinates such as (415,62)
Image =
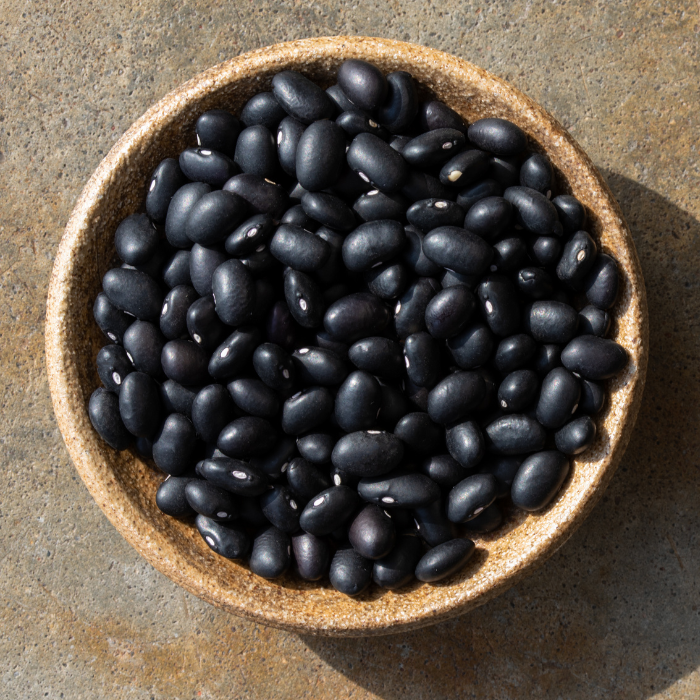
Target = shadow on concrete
(615,612)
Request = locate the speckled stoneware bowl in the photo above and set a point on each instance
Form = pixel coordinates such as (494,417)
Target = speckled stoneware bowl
(125,487)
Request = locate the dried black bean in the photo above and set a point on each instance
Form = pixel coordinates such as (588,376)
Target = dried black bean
(234,475)
(518,390)
(173,445)
(444,560)
(455,397)
(166,179)
(469,196)
(277,460)
(377,206)
(139,404)
(246,437)
(458,249)
(234,353)
(328,510)
(539,479)
(372,533)
(272,553)
(489,217)
(104,413)
(134,292)
(559,398)
(594,358)
(427,214)
(212,409)
(299,249)
(465,168)
(320,156)
(498,136)
(535,282)
(233,290)
(387,280)
(177,398)
(136,239)
(373,243)
(592,397)
(398,490)
(536,173)
(229,541)
(263,196)
(377,355)
(358,402)
(397,568)
(256,152)
(514,435)
(312,556)
(593,321)
(577,259)
(437,115)
(471,496)
(465,442)
(432,525)
(305,300)
(113,365)
(576,436)
(367,453)
(206,165)
(264,109)
(355,121)
(328,210)
(356,316)
(306,410)
(171,499)
(500,305)
(420,434)
(173,316)
(401,104)
(218,129)
(602,282)
(112,321)
(409,313)
(422,358)
(350,572)
(274,366)
(443,469)
(301,98)
(487,521)
(377,163)
(473,346)
(514,353)
(281,509)
(551,321)
(534,211)
(144,343)
(203,261)
(363,83)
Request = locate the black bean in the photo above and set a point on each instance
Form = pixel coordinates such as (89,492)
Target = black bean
(104,413)
(204,325)
(254,397)
(401,104)
(487,521)
(274,366)
(399,490)
(594,358)
(458,249)
(559,398)
(363,83)
(139,404)
(306,480)
(350,572)
(536,173)
(350,185)
(465,168)
(572,213)
(504,469)
(505,171)
(443,469)
(422,358)
(409,313)
(514,435)
(471,496)
(433,148)
(288,136)
(514,352)
(538,480)
(378,163)
(328,210)
(577,259)
(377,206)
(396,569)
(312,556)
(367,453)
(320,156)
(593,321)
(489,217)
(356,316)
(355,121)
(272,553)
(231,542)
(602,282)
(301,98)
(234,476)
(420,434)
(212,410)
(177,398)
(510,253)
(419,185)
(332,271)
(500,305)
(264,109)
(358,402)
(206,165)
(260,262)
(214,216)
(551,321)
(534,282)
(576,436)
(394,406)
(136,239)
(111,320)
(319,366)
(218,129)
(299,249)
(377,355)
(173,445)
(432,525)
(263,196)
(295,215)
(113,365)
(534,211)
(234,292)
(498,136)
(203,261)
(465,442)
(468,197)
(246,437)
(473,346)
(329,510)
(305,300)
(281,509)
(372,533)
(173,316)
(546,358)
(171,499)
(166,179)
(306,410)
(427,214)
(134,292)
(518,390)
(544,250)
(316,447)
(280,327)
(444,560)
(373,243)
(388,280)
(340,99)
(448,278)
(592,397)
(233,355)
(455,397)
(437,115)
(276,461)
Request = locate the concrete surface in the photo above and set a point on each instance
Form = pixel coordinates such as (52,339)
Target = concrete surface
(613,614)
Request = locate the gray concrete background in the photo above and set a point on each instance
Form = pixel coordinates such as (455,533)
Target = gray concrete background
(613,614)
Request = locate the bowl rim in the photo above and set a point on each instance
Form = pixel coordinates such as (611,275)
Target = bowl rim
(284,610)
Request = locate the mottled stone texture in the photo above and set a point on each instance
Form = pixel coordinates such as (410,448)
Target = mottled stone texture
(613,614)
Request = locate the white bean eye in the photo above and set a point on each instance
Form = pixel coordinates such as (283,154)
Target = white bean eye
(581,255)
(165,309)
(372,123)
(573,410)
(252,232)
(197,338)
(222,514)
(447,145)
(374,432)
(284,467)
(260,248)
(363,176)
(336,479)
(303,305)
(440,205)
(210,541)
(131,359)
(272,182)
(504,403)
(199,141)
(479,510)
(489,307)
(205,153)
(318,501)
(280,137)
(408,362)
(398,308)
(225,352)
(285,373)
(454,175)
(371,193)
(239,474)
(303,351)
(111,336)
(153,185)
(293,504)
(116,378)
(297,395)
(377,264)
(387,499)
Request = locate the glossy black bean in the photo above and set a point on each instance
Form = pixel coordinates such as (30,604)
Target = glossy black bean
(136,239)
(572,213)
(139,404)
(289,134)
(376,162)
(397,568)
(320,156)
(299,249)
(358,402)
(489,217)
(427,214)
(254,397)
(134,292)
(272,553)
(316,448)
(356,316)
(113,365)
(471,496)
(377,206)
(505,171)
(422,359)
(165,181)
(274,366)
(510,253)
(399,490)
(372,533)
(400,107)
(377,355)
(593,321)
(534,211)
(301,98)
(173,316)
(420,434)
(312,556)
(498,136)
(576,436)
(394,406)
(281,508)
(306,480)
(328,210)
(437,115)
(487,521)
(328,510)
(432,525)
(458,249)
(264,109)
(455,397)
(537,174)
(514,435)
(177,398)
(203,323)
(594,358)
(306,410)
(444,560)
(233,290)
(246,437)
(551,321)
(420,185)
(363,83)
(355,121)
(280,327)
(233,354)
(368,453)
(504,469)
(340,99)
(500,305)
(534,282)
(231,541)
(218,130)
(465,168)
(473,346)
(544,250)
(468,197)
(443,469)
(260,262)
(214,216)
(171,499)
(448,278)
(602,282)
(234,476)
(203,261)
(465,442)
(546,358)
(295,215)
(111,320)
(518,390)
(372,244)
(577,259)
(332,272)
(388,280)
(212,410)
(514,353)
(305,299)
(350,185)
(559,398)
(539,479)
(206,165)
(592,397)
(350,573)
(104,413)
(263,196)
(277,460)
(319,366)
(174,444)
(433,148)
(409,312)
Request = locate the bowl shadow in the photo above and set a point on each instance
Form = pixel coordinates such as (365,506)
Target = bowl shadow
(615,612)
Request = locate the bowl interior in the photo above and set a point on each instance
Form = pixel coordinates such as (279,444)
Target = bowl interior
(125,487)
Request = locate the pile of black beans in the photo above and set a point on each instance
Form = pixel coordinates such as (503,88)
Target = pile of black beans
(347,324)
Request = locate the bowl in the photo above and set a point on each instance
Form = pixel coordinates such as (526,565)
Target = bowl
(124,486)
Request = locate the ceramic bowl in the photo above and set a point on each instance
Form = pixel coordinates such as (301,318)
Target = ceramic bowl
(124,486)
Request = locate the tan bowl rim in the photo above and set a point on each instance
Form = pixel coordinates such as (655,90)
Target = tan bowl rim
(328,613)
